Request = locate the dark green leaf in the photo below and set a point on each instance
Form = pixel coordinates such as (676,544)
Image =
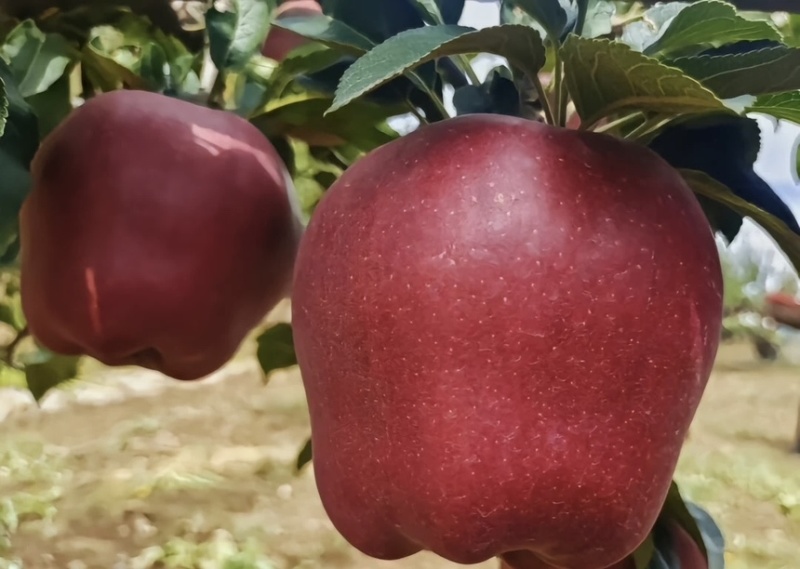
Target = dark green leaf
(644,554)
(726,148)
(784,106)
(45,370)
(276,348)
(451,10)
(521,45)
(555,16)
(709,23)
(757,72)
(37,60)
(302,117)
(309,58)
(327,31)
(437,12)
(605,77)
(721,218)
(713,538)
(674,506)
(787,240)
(152,64)
(53,105)
(304,456)
(235,36)
(18,145)
(378,20)
(497,95)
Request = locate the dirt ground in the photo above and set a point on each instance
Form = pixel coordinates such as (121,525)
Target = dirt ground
(129,470)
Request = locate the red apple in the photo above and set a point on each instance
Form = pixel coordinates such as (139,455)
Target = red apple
(157,233)
(280,42)
(504,330)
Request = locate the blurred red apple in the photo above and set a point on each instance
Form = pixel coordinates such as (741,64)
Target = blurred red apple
(280,42)
(158,233)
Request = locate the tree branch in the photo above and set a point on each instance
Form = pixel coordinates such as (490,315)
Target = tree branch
(791,6)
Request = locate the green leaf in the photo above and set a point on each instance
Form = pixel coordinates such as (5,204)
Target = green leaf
(305,59)
(642,32)
(709,23)
(511,13)
(555,16)
(643,555)
(605,77)
(430,12)
(37,60)
(675,508)
(45,370)
(598,19)
(704,185)
(52,106)
(18,145)
(110,58)
(235,36)
(521,45)
(302,117)
(377,20)
(304,456)
(327,31)
(757,72)
(783,106)
(276,349)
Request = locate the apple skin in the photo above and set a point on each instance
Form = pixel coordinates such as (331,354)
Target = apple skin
(157,233)
(281,42)
(504,331)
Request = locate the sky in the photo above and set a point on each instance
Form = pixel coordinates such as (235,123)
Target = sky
(776,163)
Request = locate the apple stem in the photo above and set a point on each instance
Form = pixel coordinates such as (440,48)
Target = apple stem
(415,111)
(561,98)
(546,107)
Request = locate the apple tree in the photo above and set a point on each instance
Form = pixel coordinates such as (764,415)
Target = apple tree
(464,397)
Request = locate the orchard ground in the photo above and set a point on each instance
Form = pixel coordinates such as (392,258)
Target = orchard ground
(128,465)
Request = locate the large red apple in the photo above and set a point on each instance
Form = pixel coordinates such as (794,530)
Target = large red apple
(504,330)
(280,42)
(157,233)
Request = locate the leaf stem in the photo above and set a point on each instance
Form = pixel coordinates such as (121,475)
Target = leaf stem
(415,111)
(467,67)
(217,89)
(546,107)
(648,127)
(618,122)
